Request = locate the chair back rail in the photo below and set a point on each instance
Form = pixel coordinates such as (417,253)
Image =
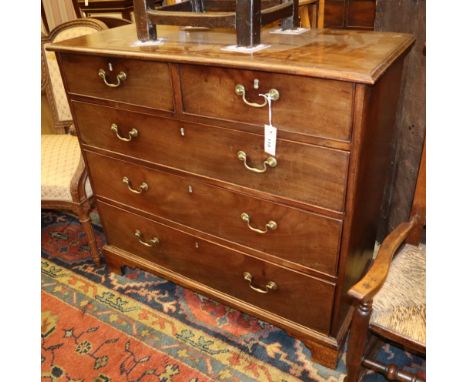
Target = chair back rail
(52,79)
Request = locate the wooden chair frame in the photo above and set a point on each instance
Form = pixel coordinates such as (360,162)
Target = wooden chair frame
(61,126)
(245,16)
(124,7)
(364,291)
(81,204)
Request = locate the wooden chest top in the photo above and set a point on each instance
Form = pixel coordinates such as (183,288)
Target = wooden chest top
(357,56)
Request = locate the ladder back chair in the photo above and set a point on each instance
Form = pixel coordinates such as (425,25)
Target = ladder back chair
(390,300)
(64,179)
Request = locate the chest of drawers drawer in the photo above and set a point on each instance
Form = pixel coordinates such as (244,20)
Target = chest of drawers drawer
(307,106)
(134,82)
(307,173)
(298,236)
(207,262)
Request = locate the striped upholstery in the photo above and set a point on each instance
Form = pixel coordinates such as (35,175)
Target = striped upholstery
(400,306)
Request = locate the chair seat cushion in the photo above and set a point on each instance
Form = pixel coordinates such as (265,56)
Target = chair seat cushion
(400,306)
(60,158)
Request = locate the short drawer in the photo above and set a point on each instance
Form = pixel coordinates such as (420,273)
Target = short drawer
(307,173)
(146,83)
(298,236)
(222,268)
(307,106)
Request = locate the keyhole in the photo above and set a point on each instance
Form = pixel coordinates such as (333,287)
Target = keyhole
(182,131)
(110,66)
(190,189)
(256,84)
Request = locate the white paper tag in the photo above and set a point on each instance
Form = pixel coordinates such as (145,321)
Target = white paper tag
(270,140)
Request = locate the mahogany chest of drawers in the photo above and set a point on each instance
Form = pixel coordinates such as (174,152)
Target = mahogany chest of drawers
(184,189)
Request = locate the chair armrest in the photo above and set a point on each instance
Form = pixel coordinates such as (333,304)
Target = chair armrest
(366,288)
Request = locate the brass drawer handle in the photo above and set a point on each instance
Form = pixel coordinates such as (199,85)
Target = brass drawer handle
(270,226)
(121,77)
(150,243)
(273,93)
(270,286)
(270,162)
(142,188)
(133,133)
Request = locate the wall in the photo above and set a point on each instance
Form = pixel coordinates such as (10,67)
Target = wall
(407,16)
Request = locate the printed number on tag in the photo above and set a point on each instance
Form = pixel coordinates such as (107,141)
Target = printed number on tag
(270,139)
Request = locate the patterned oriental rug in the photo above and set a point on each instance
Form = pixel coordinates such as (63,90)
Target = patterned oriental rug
(101,327)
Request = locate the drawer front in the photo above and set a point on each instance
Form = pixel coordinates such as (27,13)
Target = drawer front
(307,173)
(221,268)
(147,83)
(301,237)
(308,106)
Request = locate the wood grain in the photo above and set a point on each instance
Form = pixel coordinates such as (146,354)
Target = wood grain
(408,16)
(325,349)
(332,154)
(81,74)
(306,105)
(311,174)
(350,14)
(222,269)
(357,56)
(373,130)
(301,237)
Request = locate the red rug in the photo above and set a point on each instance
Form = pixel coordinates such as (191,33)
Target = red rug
(97,326)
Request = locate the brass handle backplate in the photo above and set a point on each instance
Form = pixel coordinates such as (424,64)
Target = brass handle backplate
(121,77)
(270,286)
(270,226)
(269,162)
(272,93)
(150,243)
(142,188)
(133,133)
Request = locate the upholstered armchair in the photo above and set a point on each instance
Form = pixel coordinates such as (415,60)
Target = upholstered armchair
(64,179)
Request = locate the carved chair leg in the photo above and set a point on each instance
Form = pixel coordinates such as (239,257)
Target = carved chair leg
(85,221)
(357,341)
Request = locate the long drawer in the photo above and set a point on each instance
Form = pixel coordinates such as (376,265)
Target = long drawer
(298,236)
(223,269)
(309,106)
(307,173)
(145,84)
